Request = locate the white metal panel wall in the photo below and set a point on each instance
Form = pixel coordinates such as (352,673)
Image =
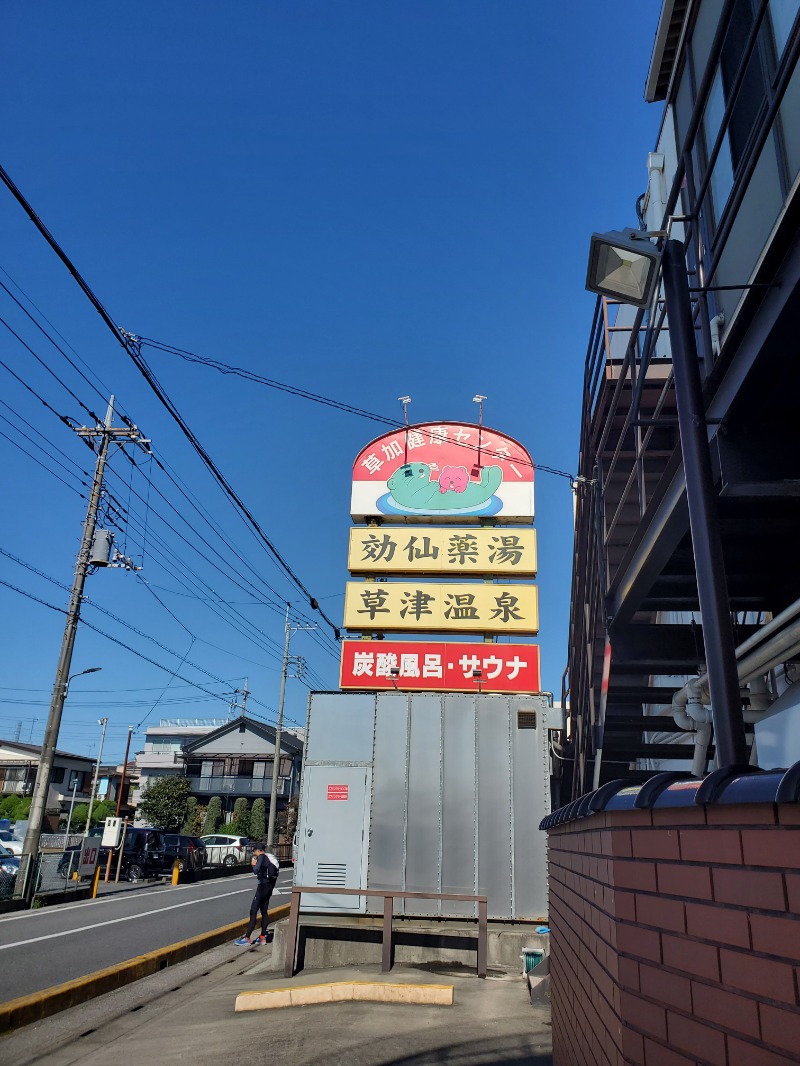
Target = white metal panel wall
(387,855)
(495,833)
(459,802)
(457,793)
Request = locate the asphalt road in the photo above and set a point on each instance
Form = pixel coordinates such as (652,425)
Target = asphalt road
(45,947)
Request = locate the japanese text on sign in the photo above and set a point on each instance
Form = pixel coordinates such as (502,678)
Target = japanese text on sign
(440,667)
(338,792)
(444,551)
(467,608)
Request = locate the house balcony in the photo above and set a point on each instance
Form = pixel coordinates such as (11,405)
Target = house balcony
(238,786)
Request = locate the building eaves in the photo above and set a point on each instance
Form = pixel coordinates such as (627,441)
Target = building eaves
(665,49)
(288,742)
(36,750)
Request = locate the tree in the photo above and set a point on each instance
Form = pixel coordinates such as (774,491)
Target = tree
(213,816)
(258,820)
(191,816)
(241,817)
(164,801)
(79,815)
(101,811)
(286,821)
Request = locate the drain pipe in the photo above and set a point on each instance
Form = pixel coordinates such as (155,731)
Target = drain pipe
(701,741)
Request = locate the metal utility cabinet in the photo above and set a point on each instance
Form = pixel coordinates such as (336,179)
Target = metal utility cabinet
(426,792)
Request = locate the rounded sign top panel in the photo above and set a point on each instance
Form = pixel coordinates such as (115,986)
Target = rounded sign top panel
(443,471)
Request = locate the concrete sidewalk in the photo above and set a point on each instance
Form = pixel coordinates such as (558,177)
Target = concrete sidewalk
(184,1015)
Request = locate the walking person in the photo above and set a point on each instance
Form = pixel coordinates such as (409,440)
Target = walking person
(266,868)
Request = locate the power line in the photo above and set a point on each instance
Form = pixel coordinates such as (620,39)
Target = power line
(127,647)
(104,610)
(50,371)
(36,444)
(134,351)
(251,375)
(42,465)
(41,328)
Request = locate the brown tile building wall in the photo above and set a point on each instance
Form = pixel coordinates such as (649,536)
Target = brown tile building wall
(675,937)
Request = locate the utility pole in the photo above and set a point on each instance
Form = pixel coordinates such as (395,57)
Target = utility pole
(245,694)
(106,434)
(276,761)
(104,723)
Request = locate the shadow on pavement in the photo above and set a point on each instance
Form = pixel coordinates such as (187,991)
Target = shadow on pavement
(513,1050)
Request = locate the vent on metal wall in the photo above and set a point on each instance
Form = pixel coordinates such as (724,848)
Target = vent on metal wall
(332,874)
(526,719)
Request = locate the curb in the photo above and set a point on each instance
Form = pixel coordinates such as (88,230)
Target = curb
(346,992)
(39,1005)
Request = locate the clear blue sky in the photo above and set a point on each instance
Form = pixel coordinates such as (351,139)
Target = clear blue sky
(359,198)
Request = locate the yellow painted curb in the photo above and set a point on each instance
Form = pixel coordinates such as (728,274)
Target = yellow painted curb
(27,1009)
(346,992)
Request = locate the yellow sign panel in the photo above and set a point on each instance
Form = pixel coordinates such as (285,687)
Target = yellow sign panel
(460,608)
(456,552)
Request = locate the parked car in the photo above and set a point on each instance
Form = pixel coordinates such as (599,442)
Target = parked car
(9,868)
(9,862)
(142,856)
(189,852)
(224,850)
(9,841)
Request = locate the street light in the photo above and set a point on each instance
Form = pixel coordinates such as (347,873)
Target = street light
(624,265)
(88,670)
(102,722)
(394,673)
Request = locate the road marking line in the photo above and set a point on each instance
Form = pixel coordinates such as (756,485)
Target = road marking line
(114,897)
(114,921)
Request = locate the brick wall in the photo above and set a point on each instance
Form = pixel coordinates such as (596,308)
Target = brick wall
(675,936)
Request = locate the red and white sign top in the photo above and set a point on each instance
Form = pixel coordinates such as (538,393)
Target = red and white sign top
(338,792)
(443,471)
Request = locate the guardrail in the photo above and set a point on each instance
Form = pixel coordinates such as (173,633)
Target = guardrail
(389,896)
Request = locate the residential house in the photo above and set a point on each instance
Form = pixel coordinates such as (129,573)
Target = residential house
(70,777)
(237,760)
(163,745)
(225,757)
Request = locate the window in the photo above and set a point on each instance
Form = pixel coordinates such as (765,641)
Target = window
(750,99)
(164,747)
(57,776)
(246,768)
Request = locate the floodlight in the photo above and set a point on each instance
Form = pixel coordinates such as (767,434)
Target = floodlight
(623,264)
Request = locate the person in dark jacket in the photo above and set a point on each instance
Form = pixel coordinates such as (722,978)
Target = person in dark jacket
(266,868)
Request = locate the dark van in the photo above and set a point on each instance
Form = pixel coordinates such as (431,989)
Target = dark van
(142,856)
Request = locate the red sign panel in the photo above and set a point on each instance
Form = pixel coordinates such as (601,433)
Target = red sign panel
(338,792)
(433,667)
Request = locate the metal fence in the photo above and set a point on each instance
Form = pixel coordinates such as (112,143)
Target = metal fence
(7,883)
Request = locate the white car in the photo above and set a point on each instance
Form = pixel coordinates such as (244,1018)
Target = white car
(9,841)
(224,850)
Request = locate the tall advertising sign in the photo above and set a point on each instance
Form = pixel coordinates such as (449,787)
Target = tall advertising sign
(443,472)
(464,493)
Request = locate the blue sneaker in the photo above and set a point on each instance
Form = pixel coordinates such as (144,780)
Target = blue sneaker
(243,942)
